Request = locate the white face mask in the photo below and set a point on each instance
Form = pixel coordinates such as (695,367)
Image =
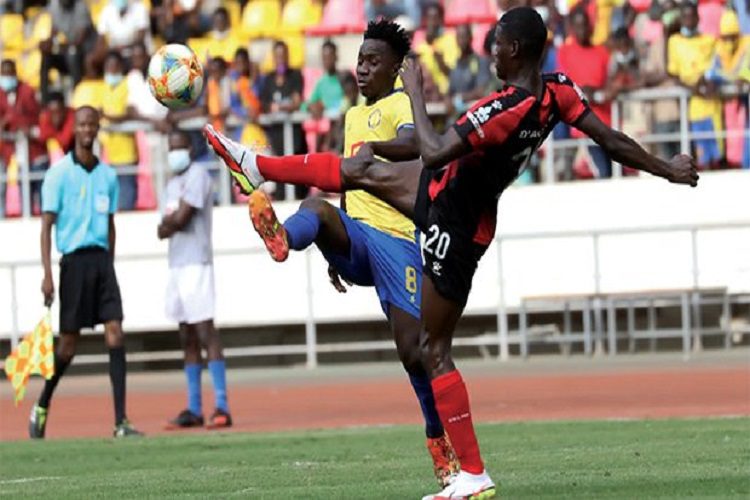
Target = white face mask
(178,160)
(112,79)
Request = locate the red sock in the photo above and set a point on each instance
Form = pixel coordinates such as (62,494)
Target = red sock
(320,170)
(452,403)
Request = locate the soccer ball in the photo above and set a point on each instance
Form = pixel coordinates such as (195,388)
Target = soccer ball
(175,77)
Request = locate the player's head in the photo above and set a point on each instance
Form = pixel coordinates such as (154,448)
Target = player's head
(329,54)
(86,126)
(689,17)
(580,24)
(179,156)
(380,57)
(520,38)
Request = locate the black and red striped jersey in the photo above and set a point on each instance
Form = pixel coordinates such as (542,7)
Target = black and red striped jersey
(503,130)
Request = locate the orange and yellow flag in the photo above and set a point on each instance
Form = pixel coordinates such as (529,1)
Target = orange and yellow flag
(33,355)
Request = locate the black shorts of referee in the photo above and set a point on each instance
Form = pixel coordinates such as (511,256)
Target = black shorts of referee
(89,293)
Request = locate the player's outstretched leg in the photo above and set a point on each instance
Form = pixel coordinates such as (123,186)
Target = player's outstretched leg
(394,183)
(439,317)
(66,349)
(316,221)
(407,330)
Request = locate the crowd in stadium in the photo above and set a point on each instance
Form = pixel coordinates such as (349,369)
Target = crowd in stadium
(62,54)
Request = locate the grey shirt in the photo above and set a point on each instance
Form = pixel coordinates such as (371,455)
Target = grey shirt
(70,22)
(470,73)
(193,244)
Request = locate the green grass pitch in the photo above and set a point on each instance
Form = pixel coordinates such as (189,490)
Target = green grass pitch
(604,459)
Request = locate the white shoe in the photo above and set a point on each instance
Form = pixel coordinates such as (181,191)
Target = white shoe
(241,160)
(467,487)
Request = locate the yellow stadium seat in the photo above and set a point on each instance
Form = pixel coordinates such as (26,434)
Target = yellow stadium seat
(299,15)
(235,12)
(11,32)
(95,8)
(261,18)
(41,31)
(29,67)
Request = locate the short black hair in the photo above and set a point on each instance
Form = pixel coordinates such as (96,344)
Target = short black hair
(87,107)
(620,33)
(329,43)
(280,43)
(525,25)
(242,51)
(223,11)
(689,5)
(114,54)
(434,5)
(391,33)
(220,61)
(56,96)
(8,61)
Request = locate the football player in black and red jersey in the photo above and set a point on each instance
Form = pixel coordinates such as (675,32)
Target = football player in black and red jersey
(451,193)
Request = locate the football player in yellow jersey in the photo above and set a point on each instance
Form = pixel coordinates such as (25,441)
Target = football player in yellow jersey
(367,242)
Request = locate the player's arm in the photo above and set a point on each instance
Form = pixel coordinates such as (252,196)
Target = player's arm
(403,147)
(435,149)
(623,149)
(48,284)
(176,221)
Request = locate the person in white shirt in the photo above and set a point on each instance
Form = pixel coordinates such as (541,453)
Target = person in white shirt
(122,23)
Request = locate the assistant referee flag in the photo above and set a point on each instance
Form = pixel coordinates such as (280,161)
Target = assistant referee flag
(33,355)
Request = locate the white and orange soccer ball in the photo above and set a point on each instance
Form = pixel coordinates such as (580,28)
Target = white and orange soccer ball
(175,76)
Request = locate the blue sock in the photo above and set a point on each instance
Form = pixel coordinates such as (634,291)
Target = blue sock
(218,369)
(423,389)
(302,229)
(193,373)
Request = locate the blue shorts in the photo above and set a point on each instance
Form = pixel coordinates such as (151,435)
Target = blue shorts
(392,265)
(707,149)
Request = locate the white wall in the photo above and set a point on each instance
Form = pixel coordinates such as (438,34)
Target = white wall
(254,290)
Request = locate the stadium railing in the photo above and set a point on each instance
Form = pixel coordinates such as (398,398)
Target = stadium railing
(551,147)
(595,304)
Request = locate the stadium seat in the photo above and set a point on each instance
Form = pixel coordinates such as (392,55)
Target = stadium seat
(340,16)
(299,15)
(11,34)
(709,15)
(42,30)
(467,12)
(260,18)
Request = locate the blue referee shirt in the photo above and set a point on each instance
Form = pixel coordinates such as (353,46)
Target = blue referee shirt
(83,200)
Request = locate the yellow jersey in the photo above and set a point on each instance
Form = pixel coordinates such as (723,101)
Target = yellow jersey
(380,121)
(688,59)
(120,147)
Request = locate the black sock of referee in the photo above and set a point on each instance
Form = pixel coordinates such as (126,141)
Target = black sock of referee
(117,377)
(49,385)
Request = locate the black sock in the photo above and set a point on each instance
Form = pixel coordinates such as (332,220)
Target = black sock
(117,377)
(49,385)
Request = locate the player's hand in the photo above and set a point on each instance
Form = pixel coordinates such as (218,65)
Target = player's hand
(683,170)
(48,290)
(366,153)
(411,75)
(336,280)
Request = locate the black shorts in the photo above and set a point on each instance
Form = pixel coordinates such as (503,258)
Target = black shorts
(89,293)
(450,254)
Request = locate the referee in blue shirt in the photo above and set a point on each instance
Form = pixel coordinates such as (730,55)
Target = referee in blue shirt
(79,197)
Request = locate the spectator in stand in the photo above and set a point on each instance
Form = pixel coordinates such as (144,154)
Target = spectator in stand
(123,23)
(665,113)
(439,51)
(282,93)
(119,147)
(689,57)
(351,98)
(140,99)
(227,96)
(90,90)
(221,41)
(56,127)
(326,99)
(391,9)
(588,66)
(178,20)
(72,37)
(19,112)
(732,64)
(244,102)
(470,78)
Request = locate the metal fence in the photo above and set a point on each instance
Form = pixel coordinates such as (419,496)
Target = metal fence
(552,147)
(598,302)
